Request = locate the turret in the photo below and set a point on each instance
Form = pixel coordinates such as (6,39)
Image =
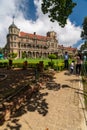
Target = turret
(13,38)
(13,29)
(51,34)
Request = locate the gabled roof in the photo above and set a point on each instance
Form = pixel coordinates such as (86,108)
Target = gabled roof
(71,48)
(67,48)
(32,36)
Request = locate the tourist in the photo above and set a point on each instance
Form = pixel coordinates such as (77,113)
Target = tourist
(78,64)
(66,58)
(72,65)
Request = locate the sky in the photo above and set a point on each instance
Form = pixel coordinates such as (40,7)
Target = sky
(29,18)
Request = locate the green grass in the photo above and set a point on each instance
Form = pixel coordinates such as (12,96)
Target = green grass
(85,90)
(58,64)
(56,61)
(3,60)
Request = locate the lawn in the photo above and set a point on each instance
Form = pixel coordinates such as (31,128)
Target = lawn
(58,64)
(56,61)
(85,90)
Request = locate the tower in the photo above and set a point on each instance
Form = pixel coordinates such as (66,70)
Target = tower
(13,38)
(51,34)
(13,30)
(54,42)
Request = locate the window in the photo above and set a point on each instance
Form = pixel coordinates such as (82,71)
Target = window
(10,37)
(14,37)
(11,44)
(14,44)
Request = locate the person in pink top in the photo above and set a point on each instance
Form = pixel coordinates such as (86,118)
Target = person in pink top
(78,64)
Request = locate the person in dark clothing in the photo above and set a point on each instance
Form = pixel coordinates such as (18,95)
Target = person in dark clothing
(66,58)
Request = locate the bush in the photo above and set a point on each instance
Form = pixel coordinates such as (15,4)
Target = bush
(3,64)
(18,65)
(51,64)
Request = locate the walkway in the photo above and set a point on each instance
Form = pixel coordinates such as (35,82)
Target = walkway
(57,109)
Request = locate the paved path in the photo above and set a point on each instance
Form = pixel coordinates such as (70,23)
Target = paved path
(56,109)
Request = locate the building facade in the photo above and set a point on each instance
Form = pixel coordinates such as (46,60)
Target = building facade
(71,51)
(32,45)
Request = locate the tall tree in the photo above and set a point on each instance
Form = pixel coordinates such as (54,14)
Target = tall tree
(84,29)
(58,10)
(83,46)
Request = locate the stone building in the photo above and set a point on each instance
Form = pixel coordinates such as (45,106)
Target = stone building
(71,51)
(32,45)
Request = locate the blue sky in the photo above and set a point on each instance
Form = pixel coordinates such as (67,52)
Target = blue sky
(79,12)
(77,16)
(32,10)
(29,18)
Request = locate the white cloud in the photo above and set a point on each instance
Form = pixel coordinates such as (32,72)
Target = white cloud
(67,36)
(7,10)
(80,45)
(70,34)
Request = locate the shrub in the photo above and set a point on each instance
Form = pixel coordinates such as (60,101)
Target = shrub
(51,64)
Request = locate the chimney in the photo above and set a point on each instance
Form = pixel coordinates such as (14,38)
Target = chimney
(34,33)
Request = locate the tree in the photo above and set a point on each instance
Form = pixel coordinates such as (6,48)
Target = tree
(12,55)
(1,50)
(58,10)
(83,46)
(84,35)
(24,55)
(84,30)
(52,56)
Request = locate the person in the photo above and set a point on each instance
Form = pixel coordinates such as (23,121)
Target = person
(66,58)
(72,65)
(78,64)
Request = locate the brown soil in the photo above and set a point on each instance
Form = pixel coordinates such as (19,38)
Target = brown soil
(54,107)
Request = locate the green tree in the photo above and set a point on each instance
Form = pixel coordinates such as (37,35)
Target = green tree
(83,46)
(52,56)
(24,55)
(84,29)
(58,10)
(84,35)
(12,55)
(1,50)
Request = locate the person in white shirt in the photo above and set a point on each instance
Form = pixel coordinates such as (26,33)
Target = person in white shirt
(72,65)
